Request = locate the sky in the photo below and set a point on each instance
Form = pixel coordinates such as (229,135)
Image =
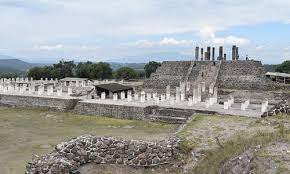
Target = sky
(104,30)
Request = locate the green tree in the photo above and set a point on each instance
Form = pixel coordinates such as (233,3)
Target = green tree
(284,67)
(41,72)
(126,73)
(83,70)
(63,69)
(151,68)
(101,70)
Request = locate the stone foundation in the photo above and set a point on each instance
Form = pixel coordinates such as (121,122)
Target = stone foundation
(69,156)
(38,102)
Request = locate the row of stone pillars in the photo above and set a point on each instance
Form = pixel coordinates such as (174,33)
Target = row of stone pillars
(31,90)
(209,54)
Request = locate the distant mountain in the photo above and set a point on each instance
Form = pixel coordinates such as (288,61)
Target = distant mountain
(11,64)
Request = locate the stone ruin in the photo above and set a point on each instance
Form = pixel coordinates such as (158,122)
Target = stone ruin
(228,74)
(69,156)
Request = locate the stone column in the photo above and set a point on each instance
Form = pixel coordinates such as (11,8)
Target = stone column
(136,96)
(213,53)
(194,96)
(187,86)
(215,95)
(211,88)
(149,96)
(103,95)
(123,95)
(196,53)
(115,96)
(207,103)
(201,52)
(69,91)
(199,93)
(182,91)
(177,94)
(142,100)
(50,90)
(190,103)
(59,92)
(172,101)
(167,92)
(221,52)
(129,96)
(208,53)
(226,105)
(237,53)
(234,52)
(203,88)
(40,90)
(162,97)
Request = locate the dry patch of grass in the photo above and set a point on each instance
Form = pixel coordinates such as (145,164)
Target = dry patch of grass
(27,132)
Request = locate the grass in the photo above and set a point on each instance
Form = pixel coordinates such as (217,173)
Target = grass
(214,158)
(25,132)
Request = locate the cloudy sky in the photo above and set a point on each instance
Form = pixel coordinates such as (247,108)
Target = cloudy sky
(100,30)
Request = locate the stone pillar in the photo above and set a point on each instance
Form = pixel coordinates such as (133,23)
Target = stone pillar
(190,103)
(215,95)
(208,53)
(221,52)
(201,53)
(194,96)
(103,95)
(213,53)
(199,93)
(129,96)
(211,88)
(40,90)
(162,97)
(234,52)
(196,53)
(226,105)
(59,92)
(172,101)
(187,86)
(50,90)
(69,91)
(182,91)
(167,92)
(149,96)
(115,96)
(177,97)
(136,96)
(203,86)
(123,95)
(156,99)
(142,100)
(237,53)
(207,103)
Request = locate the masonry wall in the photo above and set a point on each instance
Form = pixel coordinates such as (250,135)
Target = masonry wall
(37,102)
(107,110)
(69,156)
(245,75)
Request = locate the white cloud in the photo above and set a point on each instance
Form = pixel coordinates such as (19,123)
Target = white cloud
(230,40)
(260,47)
(166,41)
(207,33)
(48,47)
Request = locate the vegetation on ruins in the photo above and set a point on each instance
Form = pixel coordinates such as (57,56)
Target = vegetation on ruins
(151,67)
(284,67)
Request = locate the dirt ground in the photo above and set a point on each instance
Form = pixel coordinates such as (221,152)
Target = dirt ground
(27,132)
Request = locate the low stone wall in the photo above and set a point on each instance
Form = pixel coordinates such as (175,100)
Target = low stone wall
(281,108)
(69,156)
(107,110)
(37,102)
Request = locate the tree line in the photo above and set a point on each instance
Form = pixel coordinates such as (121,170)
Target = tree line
(99,70)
